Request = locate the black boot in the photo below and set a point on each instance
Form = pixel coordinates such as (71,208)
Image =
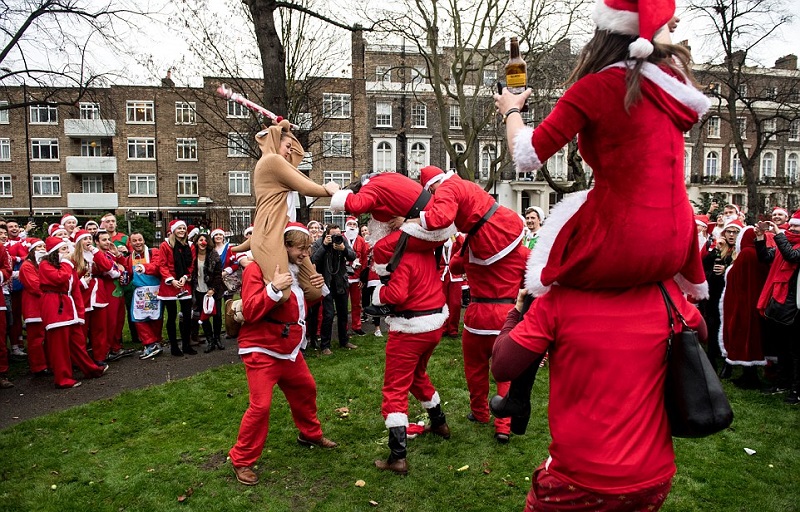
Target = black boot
(174,349)
(187,348)
(218,344)
(438,424)
(397,456)
(209,345)
(517,403)
(726,371)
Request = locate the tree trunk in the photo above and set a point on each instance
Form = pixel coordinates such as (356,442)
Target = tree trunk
(273,58)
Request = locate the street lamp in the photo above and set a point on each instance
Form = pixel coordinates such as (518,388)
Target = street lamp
(27,143)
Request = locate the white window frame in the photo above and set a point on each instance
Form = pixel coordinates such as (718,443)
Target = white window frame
(49,111)
(343,178)
(338,218)
(418,75)
(148,144)
(237,145)
(5,150)
(489,77)
(384,159)
(88,150)
(383,114)
(190,181)
(742,90)
(769,127)
(455,117)
(419,115)
(53,182)
(89,110)
(736,171)
(717,163)
(792,173)
(337,144)
(336,105)
(485,162)
(383,74)
(687,163)
(50,144)
(186,149)
(4,113)
(304,120)
(239,183)
(240,219)
(137,181)
(237,110)
(92,184)
(185,112)
(741,126)
(794,130)
(6,186)
(418,155)
(764,172)
(140,112)
(448,160)
(713,128)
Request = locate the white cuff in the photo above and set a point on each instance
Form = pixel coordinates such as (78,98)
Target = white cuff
(272,295)
(525,157)
(339,199)
(169,280)
(422,220)
(228,270)
(376,295)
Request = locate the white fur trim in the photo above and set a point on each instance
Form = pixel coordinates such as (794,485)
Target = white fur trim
(376,295)
(482,332)
(377,230)
(438,178)
(396,419)
(739,238)
(698,291)
(641,48)
(433,402)
(497,256)
(560,214)
(721,337)
(794,222)
(437,235)
(614,20)
(176,226)
(216,232)
(418,324)
(338,200)
(525,157)
(380,269)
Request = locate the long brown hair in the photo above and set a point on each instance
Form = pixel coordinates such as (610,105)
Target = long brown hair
(606,48)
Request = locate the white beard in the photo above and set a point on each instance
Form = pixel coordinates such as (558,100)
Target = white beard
(351,233)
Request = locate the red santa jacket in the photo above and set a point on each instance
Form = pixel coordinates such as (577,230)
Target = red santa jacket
(166,267)
(31,294)
(274,328)
(62,303)
(147,258)
(414,287)
(5,273)
(104,268)
(361,248)
(450,251)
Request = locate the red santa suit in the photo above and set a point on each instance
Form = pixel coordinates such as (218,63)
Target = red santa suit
(5,275)
(102,317)
(32,311)
(149,331)
(62,315)
(638,173)
(452,283)
(166,268)
(361,249)
(269,344)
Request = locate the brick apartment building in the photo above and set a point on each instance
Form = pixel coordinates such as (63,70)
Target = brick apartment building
(166,151)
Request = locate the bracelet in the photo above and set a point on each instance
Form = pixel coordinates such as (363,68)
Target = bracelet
(513,110)
(275,290)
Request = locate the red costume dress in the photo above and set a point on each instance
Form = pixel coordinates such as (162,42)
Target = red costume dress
(32,315)
(269,343)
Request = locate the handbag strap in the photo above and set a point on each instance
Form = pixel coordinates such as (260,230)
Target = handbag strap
(670,318)
(672,309)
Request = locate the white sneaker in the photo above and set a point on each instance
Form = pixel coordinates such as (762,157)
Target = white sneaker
(378,333)
(18,351)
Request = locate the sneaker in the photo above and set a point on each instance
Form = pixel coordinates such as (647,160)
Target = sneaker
(349,346)
(327,352)
(113,356)
(378,333)
(359,332)
(5,383)
(792,398)
(18,351)
(151,350)
(127,352)
(774,390)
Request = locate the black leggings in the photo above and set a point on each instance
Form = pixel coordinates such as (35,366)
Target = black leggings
(171,308)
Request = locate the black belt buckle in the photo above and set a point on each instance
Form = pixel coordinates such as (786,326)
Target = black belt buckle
(285,331)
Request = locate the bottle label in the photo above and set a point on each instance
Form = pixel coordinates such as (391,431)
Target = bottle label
(516,80)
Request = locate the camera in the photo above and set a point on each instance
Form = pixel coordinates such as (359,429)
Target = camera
(337,239)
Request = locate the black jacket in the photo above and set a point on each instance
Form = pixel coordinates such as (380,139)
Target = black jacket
(333,264)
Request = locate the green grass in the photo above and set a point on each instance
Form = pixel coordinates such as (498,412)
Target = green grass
(144,449)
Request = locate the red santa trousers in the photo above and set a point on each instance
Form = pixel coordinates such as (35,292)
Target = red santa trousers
(477,353)
(452,292)
(407,357)
(149,331)
(99,324)
(3,347)
(295,380)
(116,321)
(66,347)
(15,329)
(355,306)
(36,356)
(551,494)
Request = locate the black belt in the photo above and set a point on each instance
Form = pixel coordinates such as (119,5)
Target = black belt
(414,314)
(478,225)
(60,302)
(421,202)
(486,300)
(285,332)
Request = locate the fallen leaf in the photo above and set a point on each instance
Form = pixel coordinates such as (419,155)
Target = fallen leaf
(342,409)
(487,471)
(181,498)
(360,483)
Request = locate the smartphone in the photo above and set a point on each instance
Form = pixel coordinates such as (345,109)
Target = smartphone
(763,226)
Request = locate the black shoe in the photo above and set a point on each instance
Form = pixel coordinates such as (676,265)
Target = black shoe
(519,412)
(189,350)
(792,398)
(209,347)
(471,417)
(359,332)
(218,344)
(373,310)
(502,438)
(726,371)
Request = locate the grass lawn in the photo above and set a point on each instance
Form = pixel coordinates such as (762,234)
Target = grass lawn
(165,448)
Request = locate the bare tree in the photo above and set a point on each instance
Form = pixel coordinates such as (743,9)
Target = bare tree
(745,94)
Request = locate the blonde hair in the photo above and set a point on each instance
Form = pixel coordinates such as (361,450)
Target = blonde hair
(79,260)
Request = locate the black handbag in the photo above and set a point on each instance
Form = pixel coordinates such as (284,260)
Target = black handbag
(784,314)
(693,396)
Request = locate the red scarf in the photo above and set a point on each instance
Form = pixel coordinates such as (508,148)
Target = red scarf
(781,271)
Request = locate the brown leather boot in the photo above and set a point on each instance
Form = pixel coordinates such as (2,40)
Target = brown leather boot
(245,475)
(322,442)
(438,424)
(397,458)
(399,466)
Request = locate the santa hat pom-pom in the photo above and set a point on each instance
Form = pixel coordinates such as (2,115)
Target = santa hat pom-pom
(641,48)
(278,119)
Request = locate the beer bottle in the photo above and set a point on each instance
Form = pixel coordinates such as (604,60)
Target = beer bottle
(516,70)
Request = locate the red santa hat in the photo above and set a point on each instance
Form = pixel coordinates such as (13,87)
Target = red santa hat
(701,220)
(778,209)
(33,243)
(296,226)
(91,223)
(642,18)
(209,308)
(248,230)
(429,175)
(731,205)
(217,231)
(795,220)
(68,217)
(52,228)
(350,219)
(54,243)
(175,224)
(81,234)
(735,223)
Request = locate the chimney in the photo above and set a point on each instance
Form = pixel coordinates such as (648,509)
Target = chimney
(787,62)
(167,80)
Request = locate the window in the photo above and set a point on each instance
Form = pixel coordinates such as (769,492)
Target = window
(383,74)
(742,90)
(239,183)
(459,149)
(741,126)
(713,88)
(736,165)
(89,148)
(489,77)
(142,185)
(44,114)
(713,127)
(384,156)
(89,110)
(687,165)
(337,218)
(768,165)
(304,120)
(794,130)
(488,154)
(383,114)
(455,117)
(336,105)
(187,149)
(419,115)
(771,93)
(46,185)
(187,185)
(141,148)
(237,145)
(240,220)
(92,184)
(336,144)
(185,112)
(769,127)
(139,112)
(237,110)
(791,167)
(5,185)
(417,158)
(5,150)
(44,149)
(3,113)
(712,164)
(342,178)
(418,75)
(557,166)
